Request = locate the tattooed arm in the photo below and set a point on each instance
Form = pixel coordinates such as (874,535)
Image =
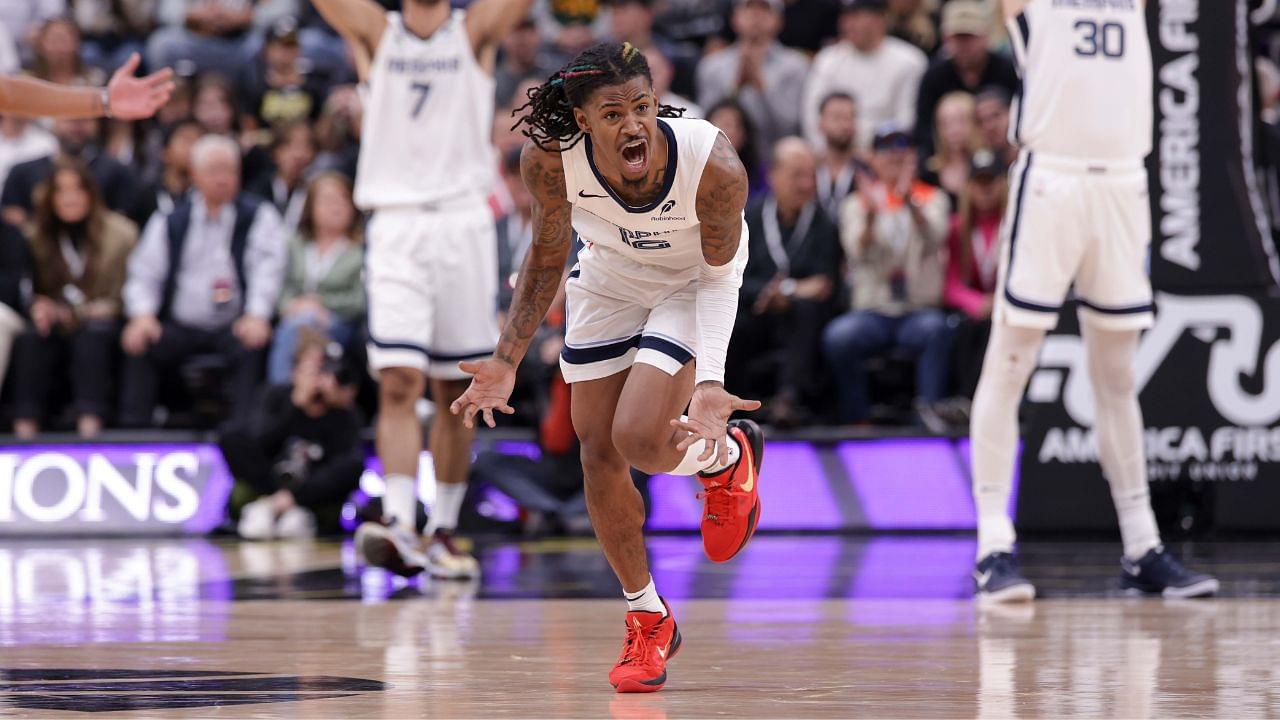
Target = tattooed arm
(722,194)
(536,286)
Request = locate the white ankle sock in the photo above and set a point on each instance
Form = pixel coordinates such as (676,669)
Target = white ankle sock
(400,501)
(646,600)
(691,465)
(448,505)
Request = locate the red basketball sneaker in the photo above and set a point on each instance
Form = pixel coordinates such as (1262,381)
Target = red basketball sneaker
(731,501)
(651,641)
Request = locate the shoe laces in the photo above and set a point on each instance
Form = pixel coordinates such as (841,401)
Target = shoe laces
(719,499)
(639,644)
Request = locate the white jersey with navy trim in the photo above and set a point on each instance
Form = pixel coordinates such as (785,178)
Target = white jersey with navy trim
(428,119)
(1086,79)
(663,237)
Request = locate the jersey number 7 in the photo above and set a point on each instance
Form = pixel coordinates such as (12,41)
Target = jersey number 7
(421,89)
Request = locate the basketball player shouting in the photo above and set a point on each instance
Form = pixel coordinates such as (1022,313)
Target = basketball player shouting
(1080,213)
(658,202)
(125,97)
(426,169)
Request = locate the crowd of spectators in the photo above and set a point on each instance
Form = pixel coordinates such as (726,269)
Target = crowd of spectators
(150,271)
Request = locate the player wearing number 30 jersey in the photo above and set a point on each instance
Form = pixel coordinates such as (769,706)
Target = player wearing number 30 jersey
(1079,218)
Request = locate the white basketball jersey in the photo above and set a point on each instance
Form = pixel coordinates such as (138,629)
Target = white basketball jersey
(428,118)
(1086,79)
(663,234)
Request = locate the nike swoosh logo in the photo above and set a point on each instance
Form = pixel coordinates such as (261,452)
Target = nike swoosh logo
(582,194)
(982,578)
(663,653)
(751,478)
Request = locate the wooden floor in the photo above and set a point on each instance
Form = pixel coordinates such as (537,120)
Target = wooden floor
(148,630)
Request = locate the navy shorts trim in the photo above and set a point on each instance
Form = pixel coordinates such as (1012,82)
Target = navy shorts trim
(432,356)
(666,347)
(1118,310)
(1028,305)
(599,353)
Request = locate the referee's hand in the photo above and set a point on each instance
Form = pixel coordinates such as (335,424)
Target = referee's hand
(491,384)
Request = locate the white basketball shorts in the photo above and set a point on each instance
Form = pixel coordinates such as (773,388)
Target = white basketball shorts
(432,279)
(1076,221)
(619,313)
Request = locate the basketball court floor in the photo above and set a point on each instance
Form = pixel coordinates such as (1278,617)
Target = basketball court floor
(797,627)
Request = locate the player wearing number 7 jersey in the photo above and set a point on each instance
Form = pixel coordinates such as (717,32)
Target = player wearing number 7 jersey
(1078,217)
(426,171)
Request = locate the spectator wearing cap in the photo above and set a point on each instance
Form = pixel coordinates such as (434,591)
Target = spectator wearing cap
(198,36)
(632,21)
(788,287)
(973,260)
(765,77)
(964,65)
(839,166)
(894,233)
(521,58)
(79,249)
(204,279)
(991,108)
(324,278)
(882,72)
(76,139)
(278,86)
(957,137)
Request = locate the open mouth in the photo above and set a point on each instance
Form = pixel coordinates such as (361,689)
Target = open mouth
(635,155)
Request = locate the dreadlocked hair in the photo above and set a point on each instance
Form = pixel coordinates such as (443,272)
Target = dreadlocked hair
(549,117)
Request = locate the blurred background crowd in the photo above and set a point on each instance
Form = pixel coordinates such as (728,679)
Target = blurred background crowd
(875,133)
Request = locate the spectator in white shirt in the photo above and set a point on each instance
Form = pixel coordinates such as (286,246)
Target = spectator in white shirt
(204,279)
(882,72)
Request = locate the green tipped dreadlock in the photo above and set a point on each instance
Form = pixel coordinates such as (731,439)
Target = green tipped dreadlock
(550,105)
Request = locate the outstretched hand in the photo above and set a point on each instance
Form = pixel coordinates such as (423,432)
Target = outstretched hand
(134,98)
(491,384)
(709,412)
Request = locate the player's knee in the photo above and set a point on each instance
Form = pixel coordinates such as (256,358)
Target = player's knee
(600,460)
(1113,377)
(399,387)
(638,446)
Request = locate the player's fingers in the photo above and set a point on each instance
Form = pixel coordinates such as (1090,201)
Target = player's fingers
(723,454)
(160,78)
(741,404)
(469,367)
(488,417)
(686,442)
(129,66)
(708,451)
(683,425)
(506,410)
(468,415)
(455,407)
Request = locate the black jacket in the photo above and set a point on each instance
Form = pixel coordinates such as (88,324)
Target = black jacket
(817,253)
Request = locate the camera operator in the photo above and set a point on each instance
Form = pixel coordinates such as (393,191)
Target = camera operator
(299,453)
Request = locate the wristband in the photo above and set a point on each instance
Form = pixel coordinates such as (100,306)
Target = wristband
(105,95)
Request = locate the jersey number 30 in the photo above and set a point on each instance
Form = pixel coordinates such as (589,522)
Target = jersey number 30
(1106,39)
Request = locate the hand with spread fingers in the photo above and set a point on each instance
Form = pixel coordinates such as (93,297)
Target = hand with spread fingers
(709,412)
(133,98)
(491,384)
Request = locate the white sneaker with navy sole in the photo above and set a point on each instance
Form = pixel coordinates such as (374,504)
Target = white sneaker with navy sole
(1159,573)
(998,580)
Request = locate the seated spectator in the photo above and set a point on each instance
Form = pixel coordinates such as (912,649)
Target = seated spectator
(15,281)
(957,139)
(882,72)
(166,191)
(913,21)
(323,282)
(966,65)
(57,55)
(894,233)
(23,19)
(840,166)
(732,120)
(787,290)
(515,226)
(337,132)
(76,139)
(696,23)
(204,279)
(112,30)
(521,59)
(991,109)
(293,149)
(973,257)
(198,36)
(299,453)
(660,68)
(278,86)
(80,249)
(213,105)
(632,21)
(765,77)
(22,140)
